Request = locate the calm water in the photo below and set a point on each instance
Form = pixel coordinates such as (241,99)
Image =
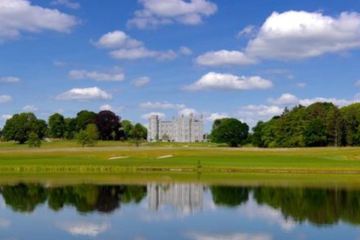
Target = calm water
(177,211)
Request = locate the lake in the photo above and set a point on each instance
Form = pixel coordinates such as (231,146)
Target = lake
(178,211)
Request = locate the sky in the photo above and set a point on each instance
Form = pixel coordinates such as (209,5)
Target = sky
(215,58)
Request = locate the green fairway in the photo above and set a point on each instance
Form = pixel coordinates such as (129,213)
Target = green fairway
(179,161)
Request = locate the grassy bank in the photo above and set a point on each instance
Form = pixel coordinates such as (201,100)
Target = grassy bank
(182,161)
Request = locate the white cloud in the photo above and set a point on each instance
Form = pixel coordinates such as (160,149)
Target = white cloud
(30,108)
(187,112)
(9,79)
(247,31)
(142,52)
(156,13)
(285,99)
(106,107)
(224,57)
(214,116)
(17,16)
(336,101)
(93,93)
(301,85)
(185,51)
(125,47)
(234,236)
(254,211)
(97,76)
(161,105)
(6,116)
(251,114)
(85,228)
(214,80)
(300,34)
(141,81)
(117,39)
(148,115)
(67,3)
(5,98)
(293,35)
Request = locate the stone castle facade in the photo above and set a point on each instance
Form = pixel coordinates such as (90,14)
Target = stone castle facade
(181,129)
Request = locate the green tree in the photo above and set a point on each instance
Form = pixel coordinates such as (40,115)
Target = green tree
(19,127)
(70,128)
(230,131)
(57,126)
(84,118)
(127,127)
(138,133)
(89,136)
(34,140)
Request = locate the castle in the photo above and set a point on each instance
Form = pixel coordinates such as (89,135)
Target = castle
(181,129)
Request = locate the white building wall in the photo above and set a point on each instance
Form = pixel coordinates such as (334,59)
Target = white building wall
(181,129)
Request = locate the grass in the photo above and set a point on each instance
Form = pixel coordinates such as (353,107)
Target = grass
(64,160)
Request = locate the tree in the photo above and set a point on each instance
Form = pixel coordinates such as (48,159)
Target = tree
(70,128)
(19,127)
(139,133)
(34,141)
(230,131)
(127,128)
(89,136)
(108,124)
(83,118)
(57,126)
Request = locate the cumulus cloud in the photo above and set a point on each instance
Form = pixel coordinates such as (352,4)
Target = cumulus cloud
(234,236)
(187,112)
(117,39)
(300,34)
(17,16)
(85,228)
(293,35)
(214,116)
(335,101)
(92,93)
(285,99)
(142,52)
(125,47)
(185,51)
(247,31)
(97,76)
(9,79)
(67,3)
(30,108)
(161,105)
(6,116)
(148,115)
(156,13)
(290,99)
(224,57)
(251,114)
(141,81)
(5,98)
(214,80)
(106,107)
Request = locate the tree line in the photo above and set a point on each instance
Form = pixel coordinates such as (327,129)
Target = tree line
(319,124)
(87,127)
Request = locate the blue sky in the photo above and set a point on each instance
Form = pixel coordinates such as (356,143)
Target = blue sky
(244,59)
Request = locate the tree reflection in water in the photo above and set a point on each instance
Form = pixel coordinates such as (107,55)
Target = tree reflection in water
(320,206)
(85,198)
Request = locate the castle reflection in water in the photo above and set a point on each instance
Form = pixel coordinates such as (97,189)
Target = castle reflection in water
(186,198)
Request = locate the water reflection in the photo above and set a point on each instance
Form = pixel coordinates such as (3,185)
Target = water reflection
(205,212)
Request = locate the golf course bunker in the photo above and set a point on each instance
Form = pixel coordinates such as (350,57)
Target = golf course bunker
(118,157)
(165,156)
